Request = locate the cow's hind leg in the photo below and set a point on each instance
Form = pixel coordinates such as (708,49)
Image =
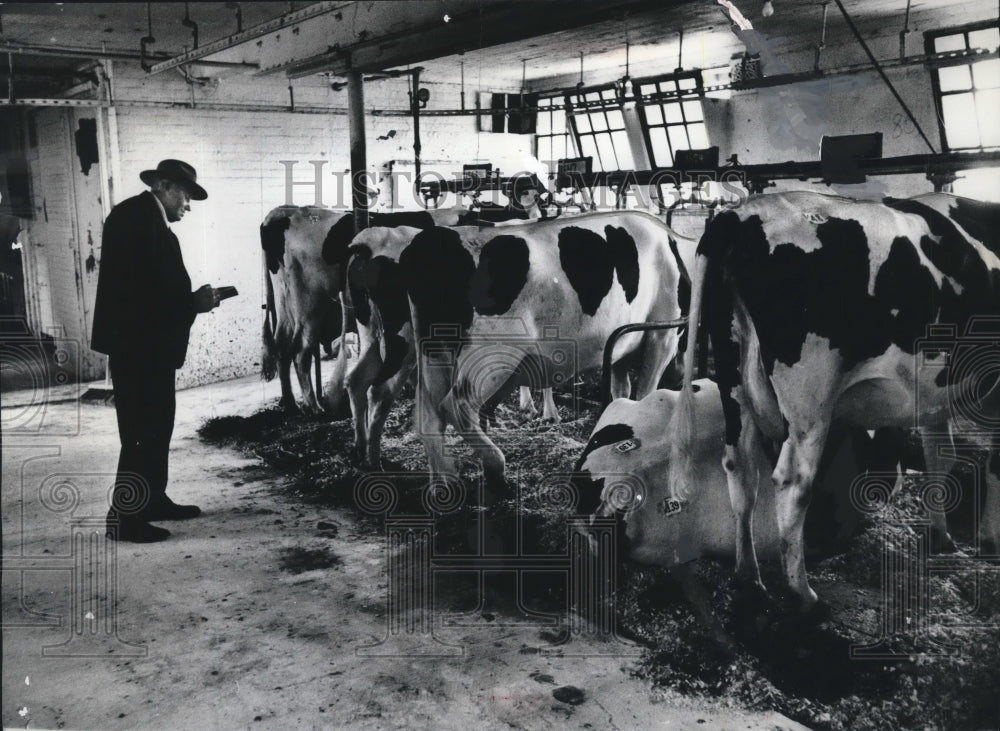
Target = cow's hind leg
(429,420)
(525,403)
(303,362)
(658,349)
(462,407)
(361,377)
(936,464)
(287,401)
(793,478)
(743,473)
(621,386)
(382,397)
(549,410)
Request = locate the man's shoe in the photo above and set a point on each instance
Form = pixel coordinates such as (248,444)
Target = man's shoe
(136,531)
(167,509)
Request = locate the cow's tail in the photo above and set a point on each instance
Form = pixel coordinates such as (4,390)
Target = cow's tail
(335,388)
(682,426)
(269,356)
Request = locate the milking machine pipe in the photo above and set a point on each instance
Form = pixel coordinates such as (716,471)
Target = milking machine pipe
(610,346)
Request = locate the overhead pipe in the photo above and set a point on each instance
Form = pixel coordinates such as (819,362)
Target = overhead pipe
(24,49)
(243,36)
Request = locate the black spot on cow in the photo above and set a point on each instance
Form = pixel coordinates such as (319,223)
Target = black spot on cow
(339,237)
(980,219)
(359,281)
(436,272)
(396,349)
(338,240)
(905,289)
(610,434)
(414,219)
(376,285)
(272,241)
(791,293)
(589,265)
(626,258)
(486,216)
(956,258)
(683,294)
(500,275)
(589,491)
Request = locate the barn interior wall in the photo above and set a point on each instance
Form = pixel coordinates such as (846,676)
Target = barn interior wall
(778,124)
(788,122)
(238,157)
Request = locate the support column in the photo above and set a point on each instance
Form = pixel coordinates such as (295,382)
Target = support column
(359,162)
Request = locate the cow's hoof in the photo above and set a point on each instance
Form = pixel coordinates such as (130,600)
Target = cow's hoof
(289,407)
(551,420)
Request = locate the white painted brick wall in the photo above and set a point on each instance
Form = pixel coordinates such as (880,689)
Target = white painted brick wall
(238,154)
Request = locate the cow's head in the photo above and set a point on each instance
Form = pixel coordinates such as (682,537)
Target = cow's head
(626,472)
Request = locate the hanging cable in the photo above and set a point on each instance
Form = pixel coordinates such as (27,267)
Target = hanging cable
(822,39)
(146,40)
(902,33)
(462,92)
(881,72)
(188,23)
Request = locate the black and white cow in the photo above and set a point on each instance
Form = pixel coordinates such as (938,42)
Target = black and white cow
(541,298)
(386,350)
(305,256)
(627,471)
(303,305)
(818,309)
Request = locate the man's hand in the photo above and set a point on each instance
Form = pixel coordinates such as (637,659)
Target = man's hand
(205,298)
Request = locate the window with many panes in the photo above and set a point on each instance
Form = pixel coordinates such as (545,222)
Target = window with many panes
(552,139)
(672,117)
(968,93)
(600,129)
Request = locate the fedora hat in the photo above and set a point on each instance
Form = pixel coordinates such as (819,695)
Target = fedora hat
(176,171)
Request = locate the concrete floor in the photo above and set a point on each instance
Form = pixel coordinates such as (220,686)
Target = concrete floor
(205,630)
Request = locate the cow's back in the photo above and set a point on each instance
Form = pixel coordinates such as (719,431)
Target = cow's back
(583,277)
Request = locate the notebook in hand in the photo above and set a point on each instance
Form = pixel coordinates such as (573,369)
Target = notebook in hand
(226,292)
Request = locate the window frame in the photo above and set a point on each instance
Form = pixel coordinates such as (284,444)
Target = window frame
(567,133)
(578,105)
(961,60)
(659,98)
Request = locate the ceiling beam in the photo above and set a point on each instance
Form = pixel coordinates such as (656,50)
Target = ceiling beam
(427,35)
(263,29)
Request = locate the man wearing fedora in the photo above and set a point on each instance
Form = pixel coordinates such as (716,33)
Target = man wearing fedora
(142,318)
